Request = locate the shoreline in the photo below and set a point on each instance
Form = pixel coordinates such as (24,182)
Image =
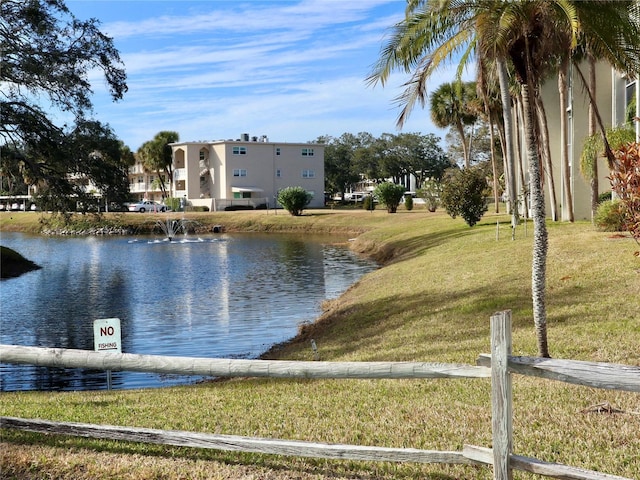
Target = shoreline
(206,227)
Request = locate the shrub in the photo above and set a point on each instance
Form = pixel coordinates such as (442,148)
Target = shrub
(625,181)
(408,202)
(430,192)
(604,196)
(294,199)
(173,203)
(464,194)
(610,216)
(368,203)
(390,195)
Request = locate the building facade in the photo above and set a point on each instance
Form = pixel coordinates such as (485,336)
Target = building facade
(146,185)
(616,94)
(247,172)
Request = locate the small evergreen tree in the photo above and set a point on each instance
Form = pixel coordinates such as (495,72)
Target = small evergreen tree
(294,199)
(408,203)
(368,203)
(390,194)
(464,194)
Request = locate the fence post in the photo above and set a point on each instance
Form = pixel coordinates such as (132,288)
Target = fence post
(501,408)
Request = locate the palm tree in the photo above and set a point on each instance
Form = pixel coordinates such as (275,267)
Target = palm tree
(491,109)
(515,32)
(504,31)
(449,108)
(156,156)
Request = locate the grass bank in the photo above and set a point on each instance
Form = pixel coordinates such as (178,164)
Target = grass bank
(431,302)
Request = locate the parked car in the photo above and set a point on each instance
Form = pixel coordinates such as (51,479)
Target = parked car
(147,206)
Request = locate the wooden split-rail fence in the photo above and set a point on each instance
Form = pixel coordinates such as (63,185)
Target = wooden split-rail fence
(499,366)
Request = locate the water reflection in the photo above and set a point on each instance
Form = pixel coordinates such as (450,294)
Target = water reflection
(219,296)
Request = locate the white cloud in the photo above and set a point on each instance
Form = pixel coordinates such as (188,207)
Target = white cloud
(293,70)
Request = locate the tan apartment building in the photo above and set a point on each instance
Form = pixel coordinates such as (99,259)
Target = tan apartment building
(144,184)
(615,92)
(245,172)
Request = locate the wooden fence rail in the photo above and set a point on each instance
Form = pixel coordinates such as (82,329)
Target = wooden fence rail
(607,376)
(237,443)
(499,366)
(68,358)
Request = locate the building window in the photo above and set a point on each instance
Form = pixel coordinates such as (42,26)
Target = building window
(308,174)
(307,152)
(203,155)
(278,173)
(238,195)
(239,150)
(239,172)
(278,151)
(140,179)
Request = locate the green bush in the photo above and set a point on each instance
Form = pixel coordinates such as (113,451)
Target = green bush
(610,216)
(390,195)
(604,196)
(430,192)
(294,199)
(173,203)
(464,194)
(408,202)
(368,203)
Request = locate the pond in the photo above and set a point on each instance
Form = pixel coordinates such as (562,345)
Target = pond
(217,296)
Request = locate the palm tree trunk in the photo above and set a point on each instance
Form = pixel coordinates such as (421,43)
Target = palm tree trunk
(523,181)
(465,149)
(592,130)
(494,167)
(540,237)
(564,139)
(545,154)
(508,136)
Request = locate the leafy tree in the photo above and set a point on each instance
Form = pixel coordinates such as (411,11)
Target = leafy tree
(47,56)
(391,158)
(156,156)
(390,195)
(465,194)
(421,156)
(294,199)
(104,159)
(339,154)
(430,192)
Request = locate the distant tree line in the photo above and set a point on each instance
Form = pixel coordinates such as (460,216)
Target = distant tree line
(352,159)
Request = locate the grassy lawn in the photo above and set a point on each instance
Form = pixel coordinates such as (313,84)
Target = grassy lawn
(432,300)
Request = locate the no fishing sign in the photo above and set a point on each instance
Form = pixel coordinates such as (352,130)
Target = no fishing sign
(106,335)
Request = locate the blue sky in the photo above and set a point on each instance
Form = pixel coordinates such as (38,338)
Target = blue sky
(212,69)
